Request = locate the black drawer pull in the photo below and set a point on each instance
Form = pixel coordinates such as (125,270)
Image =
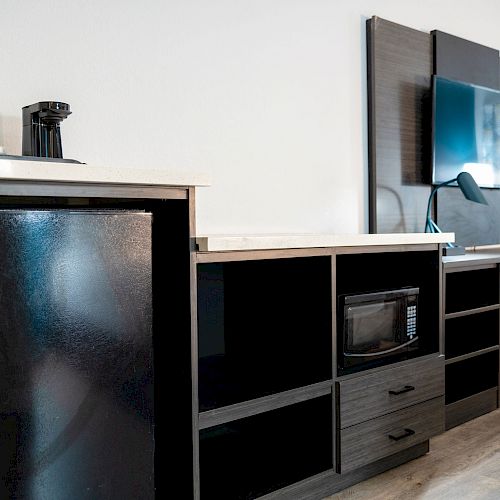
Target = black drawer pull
(408,432)
(407,388)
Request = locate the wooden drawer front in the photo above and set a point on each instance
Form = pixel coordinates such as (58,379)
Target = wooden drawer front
(370,441)
(366,397)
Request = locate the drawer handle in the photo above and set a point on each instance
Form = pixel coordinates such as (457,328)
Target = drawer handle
(407,388)
(408,432)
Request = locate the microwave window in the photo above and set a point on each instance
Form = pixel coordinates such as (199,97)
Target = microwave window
(372,327)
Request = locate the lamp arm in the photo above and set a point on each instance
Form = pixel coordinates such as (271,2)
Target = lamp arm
(429,223)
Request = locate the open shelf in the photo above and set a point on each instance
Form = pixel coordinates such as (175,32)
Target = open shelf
(471,376)
(364,273)
(264,327)
(472,333)
(471,289)
(250,457)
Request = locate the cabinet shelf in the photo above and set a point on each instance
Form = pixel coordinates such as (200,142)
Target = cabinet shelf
(469,334)
(264,327)
(471,376)
(469,312)
(470,355)
(254,456)
(237,411)
(471,407)
(471,290)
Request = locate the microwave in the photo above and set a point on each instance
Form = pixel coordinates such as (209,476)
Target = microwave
(377,328)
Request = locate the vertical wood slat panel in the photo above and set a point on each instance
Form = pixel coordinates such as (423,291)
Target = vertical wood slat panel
(399,101)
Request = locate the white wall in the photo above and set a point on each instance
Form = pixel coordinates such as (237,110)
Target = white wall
(268,96)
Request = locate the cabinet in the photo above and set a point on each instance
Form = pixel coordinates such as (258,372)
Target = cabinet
(264,374)
(94,278)
(471,336)
(273,416)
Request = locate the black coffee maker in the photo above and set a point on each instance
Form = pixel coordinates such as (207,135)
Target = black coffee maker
(41,130)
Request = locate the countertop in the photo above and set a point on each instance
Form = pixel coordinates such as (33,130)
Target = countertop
(473,258)
(220,243)
(41,171)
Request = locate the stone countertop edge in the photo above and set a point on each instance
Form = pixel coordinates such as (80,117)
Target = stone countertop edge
(33,171)
(221,243)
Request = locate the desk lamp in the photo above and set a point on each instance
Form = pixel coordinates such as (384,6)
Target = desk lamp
(470,190)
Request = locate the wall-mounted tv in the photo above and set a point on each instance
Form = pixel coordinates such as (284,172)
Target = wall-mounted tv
(466,132)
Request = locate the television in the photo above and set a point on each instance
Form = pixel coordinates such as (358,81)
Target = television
(466,132)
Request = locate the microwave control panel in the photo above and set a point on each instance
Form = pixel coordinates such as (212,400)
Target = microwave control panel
(411,319)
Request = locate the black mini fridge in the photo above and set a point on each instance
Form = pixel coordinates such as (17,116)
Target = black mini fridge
(76,363)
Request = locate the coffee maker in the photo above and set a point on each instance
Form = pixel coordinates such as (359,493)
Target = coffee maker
(41,130)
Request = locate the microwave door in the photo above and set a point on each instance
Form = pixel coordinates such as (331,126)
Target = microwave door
(373,329)
(380,353)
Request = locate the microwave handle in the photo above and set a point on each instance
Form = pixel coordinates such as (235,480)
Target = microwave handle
(371,354)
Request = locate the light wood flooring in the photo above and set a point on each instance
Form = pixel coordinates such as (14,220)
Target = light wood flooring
(463,464)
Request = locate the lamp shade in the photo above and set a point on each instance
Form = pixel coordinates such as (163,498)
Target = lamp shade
(470,189)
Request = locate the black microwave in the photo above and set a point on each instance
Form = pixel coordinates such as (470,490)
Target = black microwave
(377,328)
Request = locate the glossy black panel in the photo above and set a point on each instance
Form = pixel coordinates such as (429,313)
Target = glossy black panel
(466,61)
(263,327)
(253,456)
(471,333)
(471,376)
(76,389)
(471,289)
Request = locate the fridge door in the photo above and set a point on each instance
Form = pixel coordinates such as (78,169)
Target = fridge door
(76,370)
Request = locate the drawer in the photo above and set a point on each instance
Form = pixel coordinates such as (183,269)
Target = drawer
(370,396)
(383,436)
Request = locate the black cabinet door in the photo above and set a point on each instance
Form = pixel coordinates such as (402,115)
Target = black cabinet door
(76,374)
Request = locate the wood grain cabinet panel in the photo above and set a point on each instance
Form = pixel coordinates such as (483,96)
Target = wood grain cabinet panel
(367,397)
(372,440)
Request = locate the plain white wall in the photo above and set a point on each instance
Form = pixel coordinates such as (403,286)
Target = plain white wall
(267,96)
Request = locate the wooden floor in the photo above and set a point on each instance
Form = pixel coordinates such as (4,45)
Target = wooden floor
(463,464)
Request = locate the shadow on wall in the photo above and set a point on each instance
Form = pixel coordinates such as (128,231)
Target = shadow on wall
(11,129)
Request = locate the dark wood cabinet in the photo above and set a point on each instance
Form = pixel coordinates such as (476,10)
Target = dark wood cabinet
(471,303)
(264,371)
(274,419)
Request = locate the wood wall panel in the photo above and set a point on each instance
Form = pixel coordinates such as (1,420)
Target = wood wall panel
(399,83)
(459,59)
(401,62)
(466,61)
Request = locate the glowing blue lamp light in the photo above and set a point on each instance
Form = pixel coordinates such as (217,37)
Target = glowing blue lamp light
(470,190)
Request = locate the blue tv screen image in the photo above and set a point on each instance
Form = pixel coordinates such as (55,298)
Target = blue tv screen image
(466,129)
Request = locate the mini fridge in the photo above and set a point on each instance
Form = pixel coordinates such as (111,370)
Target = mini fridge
(76,361)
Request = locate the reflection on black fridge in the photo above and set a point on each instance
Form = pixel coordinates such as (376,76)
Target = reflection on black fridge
(76,373)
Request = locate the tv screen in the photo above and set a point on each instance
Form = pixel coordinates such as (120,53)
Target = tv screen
(466,129)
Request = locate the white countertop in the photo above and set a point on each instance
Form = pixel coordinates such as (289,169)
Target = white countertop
(25,170)
(472,258)
(221,243)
